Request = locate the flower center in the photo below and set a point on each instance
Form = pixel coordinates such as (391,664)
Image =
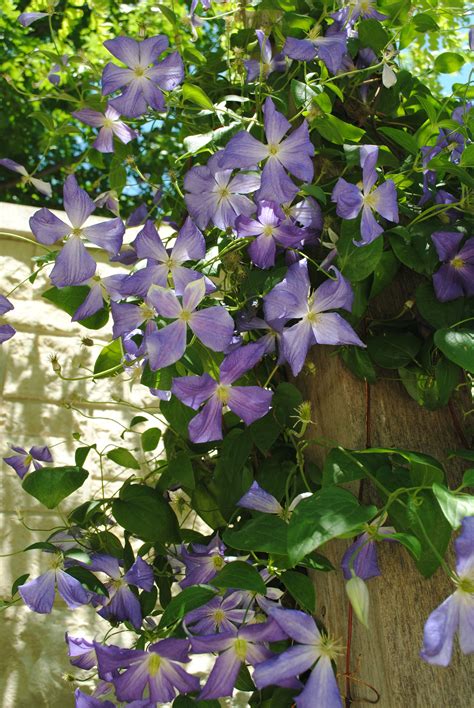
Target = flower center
(268,230)
(370,200)
(330,647)
(154,663)
(273,149)
(170,263)
(222,393)
(466,585)
(219,617)
(217,562)
(223,192)
(76,231)
(457,263)
(313,317)
(185,316)
(28,460)
(139,71)
(240,648)
(147,311)
(108,122)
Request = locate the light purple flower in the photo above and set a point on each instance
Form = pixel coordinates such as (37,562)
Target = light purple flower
(361,556)
(145,78)
(330,49)
(258,499)
(455,277)
(312,651)
(356,9)
(54,73)
(74,265)
(456,613)
(41,185)
(6,330)
(85,701)
(221,614)
(21,462)
(214,195)
(161,263)
(213,326)
(109,124)
(293,299)
(102,290)
(122,604)
(81,652)
(292,153)
(268,63)
(202,563)
(38,594)
(271,229)
(27,18)
(158,671)
(247,645)
(350,199)
(247,402)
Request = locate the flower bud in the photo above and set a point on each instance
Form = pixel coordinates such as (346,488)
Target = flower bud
(358,595)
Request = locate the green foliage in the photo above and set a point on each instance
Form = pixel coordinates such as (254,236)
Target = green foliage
(50,485)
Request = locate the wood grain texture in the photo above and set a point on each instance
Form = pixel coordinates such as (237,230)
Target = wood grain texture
(386,657)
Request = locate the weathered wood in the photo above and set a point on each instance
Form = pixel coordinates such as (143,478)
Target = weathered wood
(386,657)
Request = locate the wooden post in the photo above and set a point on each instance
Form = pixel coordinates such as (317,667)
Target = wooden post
(385,657)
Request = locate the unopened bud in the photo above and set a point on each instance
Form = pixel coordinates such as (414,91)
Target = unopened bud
(55,364)
(358,595)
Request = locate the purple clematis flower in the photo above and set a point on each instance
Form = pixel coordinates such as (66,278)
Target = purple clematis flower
(271,229)
(85,701)
(214,195)
(55,71)
(292,153)
(221,614)
(158,671)
(268,63)
(142,82)
(101,290)
(6,330)
(213,326)
(331,49)
(360,558)
(161,263)
(356,9)
(455,277)
(38,594)
(258,499)
(248,402)
(27,18)
(22,460)
(109,124)
(293,299)
(74,265)
(39,184)
(350,199)
(202,563)
(248,644)
(313,651)
(122,604)
(81,652)
(456,613)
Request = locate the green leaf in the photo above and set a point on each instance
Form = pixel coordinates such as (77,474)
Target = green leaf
(123,457)
(187,600)
(230,482)
(196,95)
(70,298)
(385,271)
(244,680)
(458,346)
(454,506)
(193,143)
(302,93)
(240,576)
(19,581)
(468,478)
(448,63)
(206,506)
(414,250)
(50,485)
(80,455)
(178,415)
(109,358)
(340,468)
(169,14)
(266,533)
(401,138)
(327,514)
(424,22)
(145,513)
(336,130)
(372,34)
(179,471)
(301,588)
(358,361)
(150,439)
(410,542)
(437,314)
(264,432)
(357,262)
(431,390)
(424,469)
(393,351)
(286,400)
(88,579)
